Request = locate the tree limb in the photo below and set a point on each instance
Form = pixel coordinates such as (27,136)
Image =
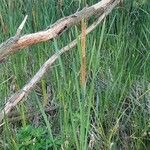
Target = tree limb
(16,43)
(17,97)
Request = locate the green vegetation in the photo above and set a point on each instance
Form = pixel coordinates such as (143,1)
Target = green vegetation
(111,112)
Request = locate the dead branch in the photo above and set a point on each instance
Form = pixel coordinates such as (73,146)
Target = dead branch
(17,97)
(16,43)
(4,47)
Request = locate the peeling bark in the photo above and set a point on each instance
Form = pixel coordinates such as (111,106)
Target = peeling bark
(107,5)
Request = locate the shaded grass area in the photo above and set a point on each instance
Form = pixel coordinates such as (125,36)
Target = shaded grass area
(112,112)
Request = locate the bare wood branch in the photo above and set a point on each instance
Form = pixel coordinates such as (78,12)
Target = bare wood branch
(16,43)
(6,46)
(17,97)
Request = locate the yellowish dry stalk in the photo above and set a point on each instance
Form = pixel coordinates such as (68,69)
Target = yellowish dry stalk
(83,47)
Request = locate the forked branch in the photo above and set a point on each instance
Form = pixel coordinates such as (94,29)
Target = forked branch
(17,97)
(16,43)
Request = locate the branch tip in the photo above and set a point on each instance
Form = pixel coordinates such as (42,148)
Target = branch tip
(21,25)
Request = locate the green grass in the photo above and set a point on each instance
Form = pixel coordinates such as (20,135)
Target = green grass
(112,111)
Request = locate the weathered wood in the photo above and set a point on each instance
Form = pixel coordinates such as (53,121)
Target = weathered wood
(17,97)
(16,43)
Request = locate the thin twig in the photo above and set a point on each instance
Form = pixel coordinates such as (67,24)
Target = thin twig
(19,30)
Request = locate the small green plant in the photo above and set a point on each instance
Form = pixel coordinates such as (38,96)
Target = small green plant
(31,138)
